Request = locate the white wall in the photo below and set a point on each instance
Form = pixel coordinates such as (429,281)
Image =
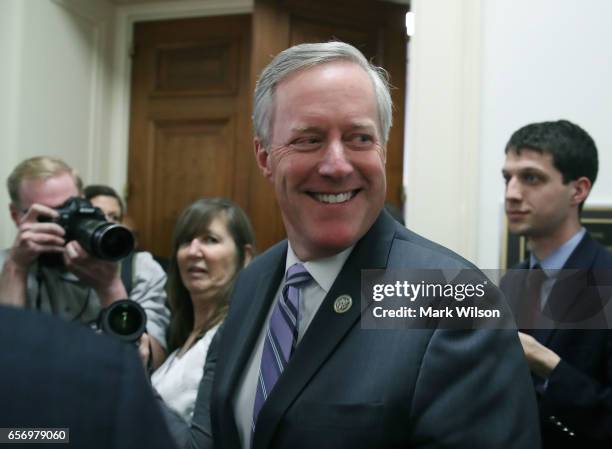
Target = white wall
(541,60)
(56,84)
(531,60)
(10,43)
(444,123)
(62,76)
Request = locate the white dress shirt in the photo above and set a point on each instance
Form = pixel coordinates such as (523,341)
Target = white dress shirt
(324,273)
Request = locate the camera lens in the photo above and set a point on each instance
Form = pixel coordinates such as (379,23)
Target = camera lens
(124,319)
(123,322)
(105,240)
(112,241)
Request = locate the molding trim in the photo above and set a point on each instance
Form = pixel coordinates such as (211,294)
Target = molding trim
(125,18)
(13,23)
(91,11)
(444,123)
(97,18)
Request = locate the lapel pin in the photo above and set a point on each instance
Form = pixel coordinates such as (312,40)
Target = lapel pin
(342,303)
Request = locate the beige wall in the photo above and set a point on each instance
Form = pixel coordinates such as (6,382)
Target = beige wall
(57,84)
(541,60)
(479,70)
(443,123)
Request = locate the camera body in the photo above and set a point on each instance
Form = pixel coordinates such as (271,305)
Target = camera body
(87,225)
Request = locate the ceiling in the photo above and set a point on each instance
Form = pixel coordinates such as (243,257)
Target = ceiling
(133,2)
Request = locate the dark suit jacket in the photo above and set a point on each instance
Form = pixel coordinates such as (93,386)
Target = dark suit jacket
(348,387)
(576,405)
(55,375)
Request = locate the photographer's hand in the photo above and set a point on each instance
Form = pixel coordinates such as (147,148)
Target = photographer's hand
(104,277)
(101,275)
(33,239)
(144,350)
(151,353)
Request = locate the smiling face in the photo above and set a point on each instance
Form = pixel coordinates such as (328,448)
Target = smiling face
(538,203)
(208,262)
(326,161)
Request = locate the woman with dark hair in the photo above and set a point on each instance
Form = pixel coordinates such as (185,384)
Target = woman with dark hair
(213,240)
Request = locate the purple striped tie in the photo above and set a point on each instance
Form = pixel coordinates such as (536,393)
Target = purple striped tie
(281,336)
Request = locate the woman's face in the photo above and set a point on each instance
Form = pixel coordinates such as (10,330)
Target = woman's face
(208,262)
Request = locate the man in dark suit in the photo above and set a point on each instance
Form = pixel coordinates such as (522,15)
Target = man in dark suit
(293,367)
(549,171)
(61,375)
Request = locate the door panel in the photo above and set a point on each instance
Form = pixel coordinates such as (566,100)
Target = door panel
(189,121)
(193,158)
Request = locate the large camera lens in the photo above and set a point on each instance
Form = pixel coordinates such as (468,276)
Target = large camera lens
(125,319)
(105,240)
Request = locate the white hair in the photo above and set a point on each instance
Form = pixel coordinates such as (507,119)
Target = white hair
(306,56)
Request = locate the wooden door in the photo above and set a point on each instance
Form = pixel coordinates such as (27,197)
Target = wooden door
(377,28)
(190,122)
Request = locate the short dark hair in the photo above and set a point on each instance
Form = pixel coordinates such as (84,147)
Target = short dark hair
(193,222)
(572,149)
(95,190)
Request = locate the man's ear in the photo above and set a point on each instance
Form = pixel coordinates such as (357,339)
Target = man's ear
(248,254)
(263,158)
(582,188)
(14,213)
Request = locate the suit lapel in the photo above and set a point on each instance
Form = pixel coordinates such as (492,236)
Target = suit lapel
(327,328)
(262,296)
(245,331)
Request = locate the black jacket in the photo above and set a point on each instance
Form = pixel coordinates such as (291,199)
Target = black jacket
(576,404)
(55,374)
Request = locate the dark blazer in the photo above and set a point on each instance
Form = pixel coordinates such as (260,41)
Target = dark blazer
(576,404)
(62,375)
(348,387)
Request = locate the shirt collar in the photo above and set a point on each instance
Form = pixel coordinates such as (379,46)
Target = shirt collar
(559,257)
(323,271)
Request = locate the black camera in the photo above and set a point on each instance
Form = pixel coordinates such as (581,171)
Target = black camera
(87,225)
(124,319)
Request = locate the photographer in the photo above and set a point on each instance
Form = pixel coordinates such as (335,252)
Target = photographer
(79,286)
